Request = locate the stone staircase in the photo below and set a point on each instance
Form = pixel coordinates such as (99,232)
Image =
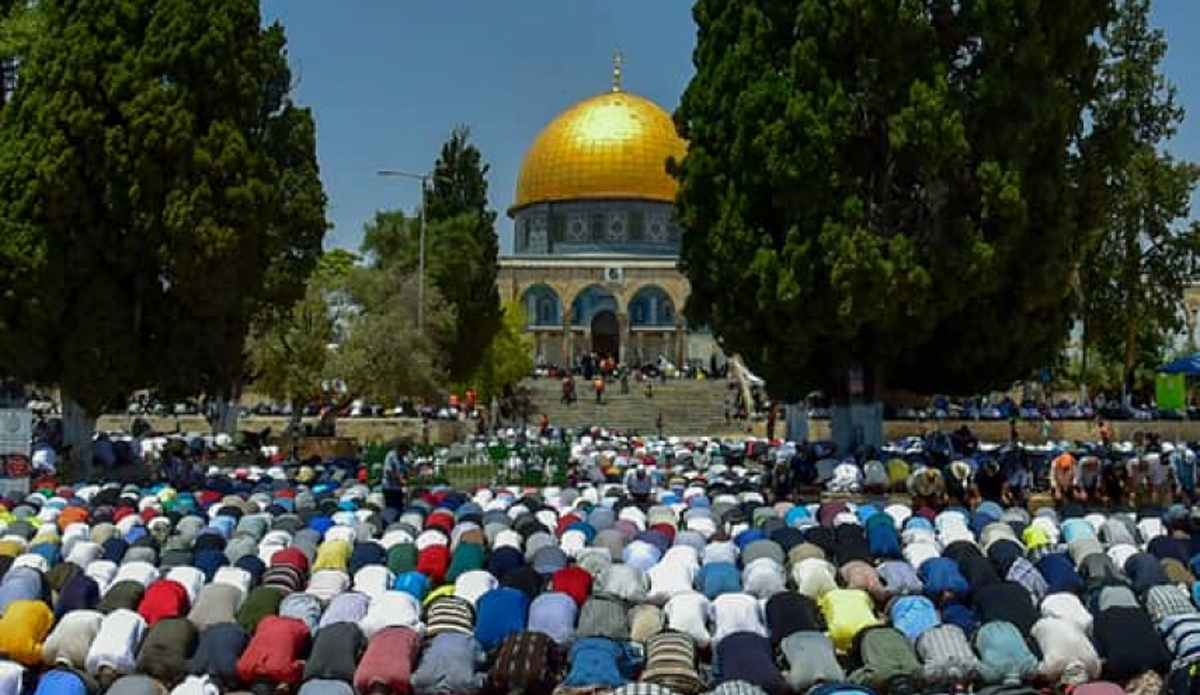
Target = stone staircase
(688,407)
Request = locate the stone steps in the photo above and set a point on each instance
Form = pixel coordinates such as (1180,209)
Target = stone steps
(689,408)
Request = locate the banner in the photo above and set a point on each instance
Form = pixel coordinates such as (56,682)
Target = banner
(1171,392)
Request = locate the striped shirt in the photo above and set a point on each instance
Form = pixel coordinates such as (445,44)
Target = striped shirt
(671,663)
(1182,635)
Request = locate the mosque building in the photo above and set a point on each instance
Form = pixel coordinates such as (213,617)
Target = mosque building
(595,252)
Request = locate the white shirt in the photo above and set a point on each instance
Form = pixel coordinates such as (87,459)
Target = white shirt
(141,572)
(721,551)
(430,538)
(625,582)
(641,555)
(71,638)
(1066,651)
(12,677)
(84,552)
(689,613)
(814,577)
(1121,552)
(272,543)
(32,561)
(737,613)
(325,584)
(392,609)
(102,572)
(341,533)
(472,584)
(233,576)
(395,537)
(917,553)
(1067,606)
(669,579)
(196,685)
(373,580)
(117,642)
(190,578)
(763,578)
(1150,528)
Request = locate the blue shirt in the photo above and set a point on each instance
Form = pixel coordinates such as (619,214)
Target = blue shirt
(718,578)
(60,682)
(499,612)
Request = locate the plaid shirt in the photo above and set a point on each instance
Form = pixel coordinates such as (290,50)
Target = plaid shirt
(643,689)
(737,688)
(1168,600)
(1024,573)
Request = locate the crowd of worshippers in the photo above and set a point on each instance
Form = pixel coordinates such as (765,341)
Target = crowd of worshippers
(302,580)
(1154,474)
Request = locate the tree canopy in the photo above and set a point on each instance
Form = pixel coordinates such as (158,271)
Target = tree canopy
(508,358)
(1144,251)
(158,189)
(385,355)
(885,186)
(456,205)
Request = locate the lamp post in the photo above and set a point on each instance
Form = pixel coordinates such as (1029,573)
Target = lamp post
(424,179)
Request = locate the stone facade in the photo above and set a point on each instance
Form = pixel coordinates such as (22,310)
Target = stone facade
(624,305)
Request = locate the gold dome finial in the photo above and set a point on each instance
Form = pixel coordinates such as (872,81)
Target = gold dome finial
(618,59)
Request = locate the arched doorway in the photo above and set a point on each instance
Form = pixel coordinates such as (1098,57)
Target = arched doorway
(606,336)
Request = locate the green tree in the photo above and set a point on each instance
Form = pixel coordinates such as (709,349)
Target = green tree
(390,238)
(508,358)
(457,195)
(1145,252)
(881,190)
(156,171)
(288,351)
(385,356)
(391,243)
(335,266)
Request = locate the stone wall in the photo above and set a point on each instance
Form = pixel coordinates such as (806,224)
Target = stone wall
(365,430)
(1030,432)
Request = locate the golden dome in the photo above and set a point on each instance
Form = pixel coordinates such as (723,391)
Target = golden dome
(613,145)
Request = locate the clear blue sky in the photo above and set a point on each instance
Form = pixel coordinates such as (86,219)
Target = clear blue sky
(388,79)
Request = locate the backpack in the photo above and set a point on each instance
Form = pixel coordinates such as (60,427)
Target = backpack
(887,661)
(947,655)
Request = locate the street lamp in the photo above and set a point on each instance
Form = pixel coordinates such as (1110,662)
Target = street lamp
(424,179)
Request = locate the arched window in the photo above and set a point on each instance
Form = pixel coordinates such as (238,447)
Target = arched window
(651,307)
(591,301)
(542,306)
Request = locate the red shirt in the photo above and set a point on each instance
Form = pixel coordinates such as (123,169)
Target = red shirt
(575,582)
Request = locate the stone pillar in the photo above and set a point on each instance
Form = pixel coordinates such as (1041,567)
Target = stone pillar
(623,337)
(680,343)
(568,347)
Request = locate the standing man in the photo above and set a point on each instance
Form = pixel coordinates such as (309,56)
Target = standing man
(395,472)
